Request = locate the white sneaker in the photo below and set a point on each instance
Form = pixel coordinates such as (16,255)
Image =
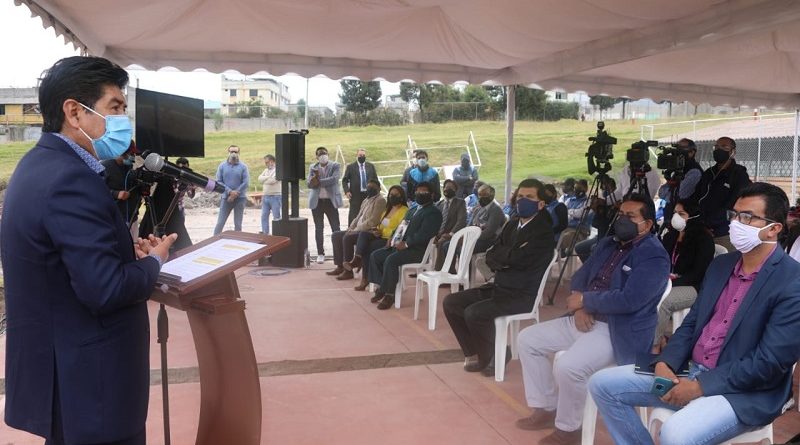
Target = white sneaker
(320,259)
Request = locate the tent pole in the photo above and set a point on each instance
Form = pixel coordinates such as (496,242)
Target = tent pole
(305,118)
(510,108)
(794,155)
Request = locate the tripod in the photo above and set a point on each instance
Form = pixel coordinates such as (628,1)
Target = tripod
(162,319)
(598,184)
(638,181)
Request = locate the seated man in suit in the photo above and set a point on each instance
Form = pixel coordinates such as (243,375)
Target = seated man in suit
(519,257)
(454,218)
(612,319)
(407,245)
(740,339)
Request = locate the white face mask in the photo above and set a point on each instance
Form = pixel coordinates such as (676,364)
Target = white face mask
(678,223)
(745,238)
(323,159)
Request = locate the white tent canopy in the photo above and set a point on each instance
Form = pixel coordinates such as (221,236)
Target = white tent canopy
(732,52)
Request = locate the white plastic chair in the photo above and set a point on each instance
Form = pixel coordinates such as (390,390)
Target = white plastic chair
(719,250)
(507,327)
(406,269)
(758,436)
(468,237)
(473,267)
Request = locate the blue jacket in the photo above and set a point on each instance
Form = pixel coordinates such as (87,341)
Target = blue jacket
(234,177)
(754,370)
(76,301)
(636,288)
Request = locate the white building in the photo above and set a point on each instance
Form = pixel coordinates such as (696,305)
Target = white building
(270,91)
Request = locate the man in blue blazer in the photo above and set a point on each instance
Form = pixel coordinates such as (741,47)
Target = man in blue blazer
(740,339)
(77,368)
(612,312)
(324,197)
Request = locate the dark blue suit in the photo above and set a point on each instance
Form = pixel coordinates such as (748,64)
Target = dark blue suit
(637,284)
(76,302)
(754,370)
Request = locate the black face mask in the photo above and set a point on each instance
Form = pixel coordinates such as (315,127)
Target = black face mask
(580,193)
(371,191)
(484,201)
(625,229)
(395,200)
(423,198)
(362,159)
(720,156)
(449,193)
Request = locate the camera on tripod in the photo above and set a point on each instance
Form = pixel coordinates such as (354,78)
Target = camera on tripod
(600,151)
(143,177)
(672,160)
(639,155)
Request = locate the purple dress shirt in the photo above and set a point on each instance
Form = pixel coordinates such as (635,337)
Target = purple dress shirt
(708,347)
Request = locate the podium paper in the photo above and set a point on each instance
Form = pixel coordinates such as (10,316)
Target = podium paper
(208,258)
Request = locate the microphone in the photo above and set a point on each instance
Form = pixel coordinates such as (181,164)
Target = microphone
(156,163)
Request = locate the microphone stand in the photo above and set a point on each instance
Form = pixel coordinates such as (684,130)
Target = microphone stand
(162,322)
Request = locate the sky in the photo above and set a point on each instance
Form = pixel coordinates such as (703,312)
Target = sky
(23,64)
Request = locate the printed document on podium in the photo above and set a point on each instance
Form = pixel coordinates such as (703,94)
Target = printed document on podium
(208,259)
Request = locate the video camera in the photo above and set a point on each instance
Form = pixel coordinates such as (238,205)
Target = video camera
(144,177)
(600,151)
(639,154)
(672,160)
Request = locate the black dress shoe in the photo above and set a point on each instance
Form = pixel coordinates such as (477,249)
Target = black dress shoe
(377,297)
(386,302)
(474,367)
(488,371)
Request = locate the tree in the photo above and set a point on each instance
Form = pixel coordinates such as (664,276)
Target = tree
(530,103)
(603,102)
(301,107)
(360,97)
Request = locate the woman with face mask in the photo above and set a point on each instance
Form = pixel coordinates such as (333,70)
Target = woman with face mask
(378,237)
(691,249)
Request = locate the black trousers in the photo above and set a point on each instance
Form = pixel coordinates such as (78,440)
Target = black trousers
(471,315)
(384,267)
(343,246)
(366,244)
(324,208)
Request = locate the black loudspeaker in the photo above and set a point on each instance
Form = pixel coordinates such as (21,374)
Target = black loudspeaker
(290,156)
(295,254)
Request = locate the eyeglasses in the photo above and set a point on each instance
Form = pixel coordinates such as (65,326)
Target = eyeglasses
(723,147)
(745,218)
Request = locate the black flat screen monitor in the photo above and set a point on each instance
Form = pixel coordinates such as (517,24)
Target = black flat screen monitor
(169,125)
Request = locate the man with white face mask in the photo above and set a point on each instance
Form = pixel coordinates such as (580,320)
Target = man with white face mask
(324,197)
(236,176)
(740,339)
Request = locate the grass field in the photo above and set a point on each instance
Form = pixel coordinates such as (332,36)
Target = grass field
(549,150)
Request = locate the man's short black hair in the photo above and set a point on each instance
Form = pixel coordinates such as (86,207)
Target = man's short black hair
(449,181)
(690,145)
(569,182)
(316,152)
(375,181)
(269,157)
(182,161)
(648,209)
(730,140)
(532,183)
(419,153)
(80,78)
(550,193)
(584,183)
(424,185)
(776,203)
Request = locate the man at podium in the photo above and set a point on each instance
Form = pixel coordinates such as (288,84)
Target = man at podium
(77,367)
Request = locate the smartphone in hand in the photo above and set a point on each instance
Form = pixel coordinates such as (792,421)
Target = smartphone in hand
(661,386)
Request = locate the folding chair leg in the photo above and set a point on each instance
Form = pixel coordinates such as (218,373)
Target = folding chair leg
(398,293)
(433,299)
(513,337)
(417,298)
(500,343)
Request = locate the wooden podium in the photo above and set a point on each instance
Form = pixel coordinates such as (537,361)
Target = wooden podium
(230,405)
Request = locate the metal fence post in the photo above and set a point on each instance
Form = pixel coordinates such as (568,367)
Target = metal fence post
(758,153)
(794,155)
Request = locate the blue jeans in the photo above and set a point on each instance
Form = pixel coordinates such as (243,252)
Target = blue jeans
(225,208)
(269,203)
(705,420)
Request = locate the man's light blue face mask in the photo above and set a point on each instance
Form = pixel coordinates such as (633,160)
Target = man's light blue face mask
(117,137)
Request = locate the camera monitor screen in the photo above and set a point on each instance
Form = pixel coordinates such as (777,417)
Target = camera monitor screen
(167,124)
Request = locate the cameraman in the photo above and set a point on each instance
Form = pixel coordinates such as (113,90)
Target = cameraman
(124,189)
(692,171)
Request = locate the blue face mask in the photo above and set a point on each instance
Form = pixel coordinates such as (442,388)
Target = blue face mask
(526,208)
(422,162)
(116,139)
